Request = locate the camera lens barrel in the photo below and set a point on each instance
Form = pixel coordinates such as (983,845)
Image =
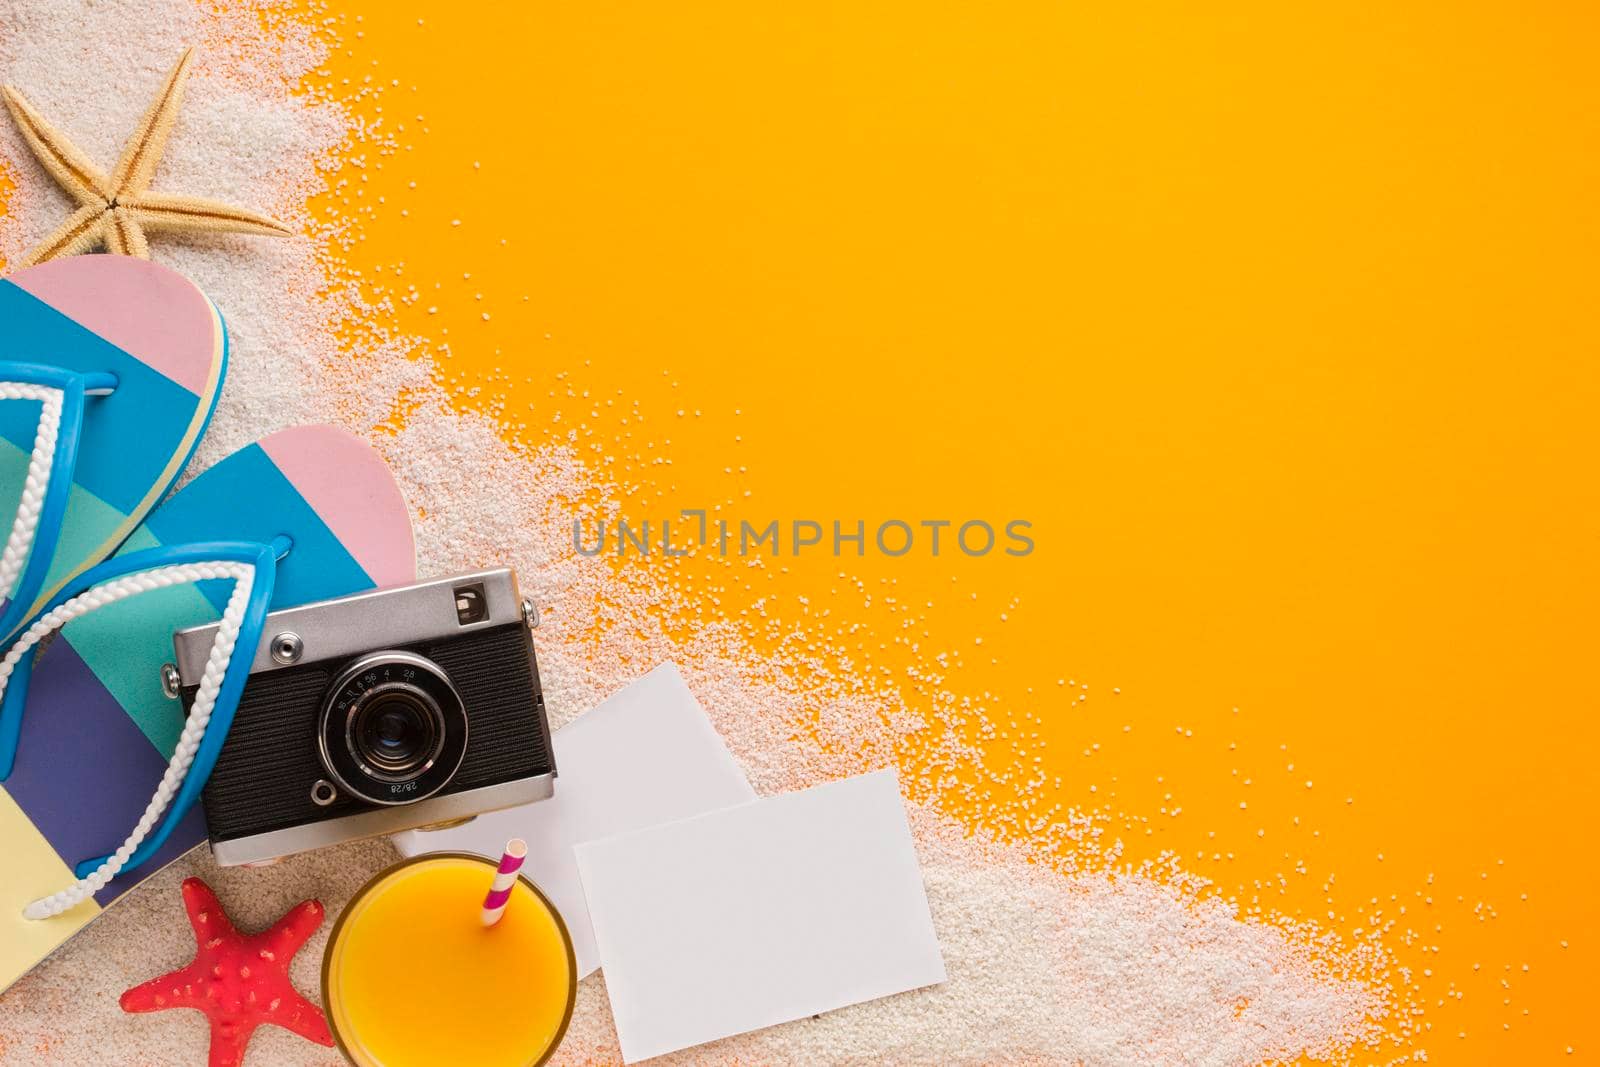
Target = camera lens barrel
(393,729)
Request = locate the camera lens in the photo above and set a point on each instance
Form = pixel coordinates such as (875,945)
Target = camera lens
(393,728)
(397,730)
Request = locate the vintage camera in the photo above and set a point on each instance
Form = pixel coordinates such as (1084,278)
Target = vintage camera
(375,713)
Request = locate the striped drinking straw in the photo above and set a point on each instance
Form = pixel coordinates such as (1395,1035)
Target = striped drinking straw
(494,905)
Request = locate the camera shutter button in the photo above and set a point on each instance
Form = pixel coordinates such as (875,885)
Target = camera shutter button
(287,647)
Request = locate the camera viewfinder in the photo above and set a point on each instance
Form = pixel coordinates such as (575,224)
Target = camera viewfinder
(471,604)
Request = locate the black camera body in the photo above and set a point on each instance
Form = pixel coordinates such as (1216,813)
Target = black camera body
(371,714)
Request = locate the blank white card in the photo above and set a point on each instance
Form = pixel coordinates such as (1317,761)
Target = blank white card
(756,915)
(645,755)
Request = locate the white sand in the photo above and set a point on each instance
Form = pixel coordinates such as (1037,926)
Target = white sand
(1046,965)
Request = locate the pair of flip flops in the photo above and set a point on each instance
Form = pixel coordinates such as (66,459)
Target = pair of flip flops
(110,368)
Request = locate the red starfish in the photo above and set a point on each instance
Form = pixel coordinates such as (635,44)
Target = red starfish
(239,981)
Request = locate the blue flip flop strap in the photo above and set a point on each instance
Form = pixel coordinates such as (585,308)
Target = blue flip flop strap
(58,488)
(263,558)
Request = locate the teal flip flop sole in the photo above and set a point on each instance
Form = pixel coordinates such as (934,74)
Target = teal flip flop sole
(162,342)
(98,729)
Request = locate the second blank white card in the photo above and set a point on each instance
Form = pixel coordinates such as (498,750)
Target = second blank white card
(750,916)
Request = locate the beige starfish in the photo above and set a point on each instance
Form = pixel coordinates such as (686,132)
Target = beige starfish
(117,211)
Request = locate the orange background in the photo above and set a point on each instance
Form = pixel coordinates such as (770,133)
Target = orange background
(1278,324)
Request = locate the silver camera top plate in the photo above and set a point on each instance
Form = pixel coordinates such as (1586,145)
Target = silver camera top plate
(351,625)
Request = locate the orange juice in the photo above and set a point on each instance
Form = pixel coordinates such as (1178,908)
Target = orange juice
(412,976)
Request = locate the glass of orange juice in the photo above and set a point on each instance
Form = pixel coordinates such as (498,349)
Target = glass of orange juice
(413,977)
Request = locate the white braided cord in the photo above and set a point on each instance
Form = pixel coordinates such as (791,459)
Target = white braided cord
(194,729)
(26,524)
